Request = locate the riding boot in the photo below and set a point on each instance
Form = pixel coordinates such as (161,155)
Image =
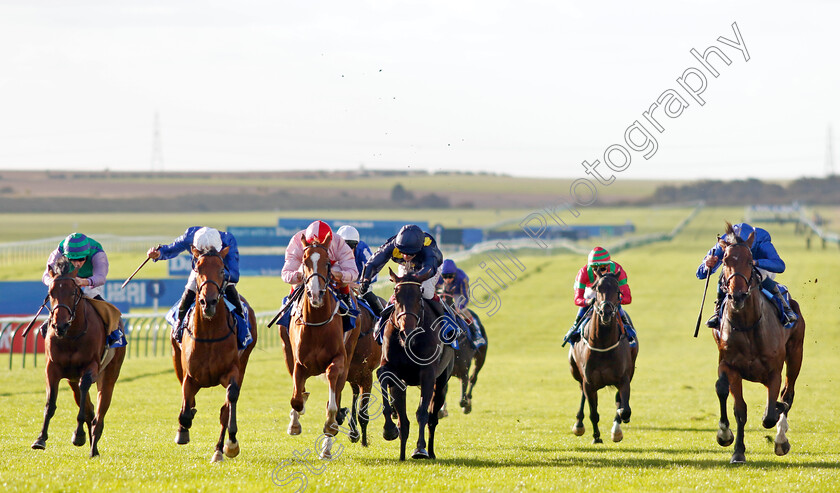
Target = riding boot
(573,335)
(380,324)
(628,327)
(43,328)
(714,320)
(233,296)
(790,315)
(187,299)
(373,302)
(476,339)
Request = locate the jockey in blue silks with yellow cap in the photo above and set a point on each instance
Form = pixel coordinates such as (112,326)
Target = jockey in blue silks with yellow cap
(765,259)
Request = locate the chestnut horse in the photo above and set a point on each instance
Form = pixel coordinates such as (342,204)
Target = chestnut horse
(365,360)
(317,341)
(603,357)
(753,345)
(76,350)
(414,354)
(209,356)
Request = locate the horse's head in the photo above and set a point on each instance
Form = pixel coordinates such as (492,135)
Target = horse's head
(316,269)
(408,301)
(607,296)
(64,293)
(210,279)
(738,266)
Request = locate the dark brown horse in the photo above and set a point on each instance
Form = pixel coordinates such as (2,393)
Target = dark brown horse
(76,350)
(414,356)
(317,341)
(465,356)
(603,357)
(753,345)
(365,360)
(208,355)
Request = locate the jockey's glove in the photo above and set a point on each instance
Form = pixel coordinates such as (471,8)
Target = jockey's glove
(364,287)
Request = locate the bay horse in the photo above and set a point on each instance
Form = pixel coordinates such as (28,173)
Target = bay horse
(603,357)
(414,355)
(365,360)
(208,354)
(76,350)
(753,345)
(317,341)
(465,355)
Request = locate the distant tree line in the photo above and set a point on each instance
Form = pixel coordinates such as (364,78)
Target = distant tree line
(751,191)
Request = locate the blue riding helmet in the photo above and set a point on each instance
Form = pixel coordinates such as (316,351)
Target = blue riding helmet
(743,231)
(410,239)
(448,267)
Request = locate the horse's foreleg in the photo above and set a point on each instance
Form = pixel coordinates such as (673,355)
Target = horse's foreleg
(724,434)
(578,429)
(105,385)
(592,397)
(85,415)
(298,399)
(354,409)
(738,455)
(185,417)
(389,430)
(53,376)
(437,403)
(771,413)
(334,376)
(231,448)
(427,392)
(398,396)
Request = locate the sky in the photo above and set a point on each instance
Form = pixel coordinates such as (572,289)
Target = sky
(526,88)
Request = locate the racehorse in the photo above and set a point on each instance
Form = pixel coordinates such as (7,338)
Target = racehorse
(603,357)
(753,345)
(464,356)
(317,341)
(209,355)
(365,360)
(76,350)
(415,355)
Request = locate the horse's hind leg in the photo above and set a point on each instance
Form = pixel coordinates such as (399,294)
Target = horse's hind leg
(466,405)
(724,434)
(738,455)
(82,394)
(478,363)
(592,397)
(354,415)
(793,360)
(105,385)
(53,377)
(231,448)
(771,412)
(364,406)
(615,433)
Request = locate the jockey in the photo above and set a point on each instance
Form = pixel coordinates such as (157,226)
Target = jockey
(455,283)
(414,250)
(598,264)
(766,261)
(91,262)
(342,263)
(203,239)
(362,253)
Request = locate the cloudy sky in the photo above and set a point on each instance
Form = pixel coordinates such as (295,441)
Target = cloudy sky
(528,88)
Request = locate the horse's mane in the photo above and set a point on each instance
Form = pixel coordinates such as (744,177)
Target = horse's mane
(62,267)
(730,237)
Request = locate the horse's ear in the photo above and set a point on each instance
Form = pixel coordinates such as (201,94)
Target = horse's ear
(224,251)
(303,240)
(196,253)
(328,240)
(393,276)
(723,244)
(751,239)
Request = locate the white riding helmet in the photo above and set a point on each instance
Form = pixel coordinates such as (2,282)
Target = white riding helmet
(348,233)
(206,239)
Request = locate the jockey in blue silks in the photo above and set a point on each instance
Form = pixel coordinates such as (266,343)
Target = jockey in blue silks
(455,283)
(362,253)
(203,239)
(765,259)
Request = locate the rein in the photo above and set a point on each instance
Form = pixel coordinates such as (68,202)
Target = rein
(221,289)
(750,288)
(419,318)
(77,297)
(599,308)
(326,287)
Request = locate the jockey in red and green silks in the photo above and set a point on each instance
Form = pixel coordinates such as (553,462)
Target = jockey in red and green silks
(599,263)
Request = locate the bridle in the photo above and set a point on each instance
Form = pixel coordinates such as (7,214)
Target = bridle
(419,318)
(77,297)
(599,307)
(325,285)
(751,286)
(220,287)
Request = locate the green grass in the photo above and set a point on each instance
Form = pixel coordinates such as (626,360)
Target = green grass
(518,436)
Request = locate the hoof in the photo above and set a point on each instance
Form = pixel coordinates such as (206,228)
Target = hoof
(390,433)
(39,444)
(231,449)
(443,413)
(738,458)
(780,448)
(617,436)
(217,457)
(464,403)
(725,438)
(79,439)
(326,452)
(468,408)
(294,429)
(94,454)
(193,411)
(420,453)
(342,414)
(578,429)
(597,441)
(182,437)
(354,436)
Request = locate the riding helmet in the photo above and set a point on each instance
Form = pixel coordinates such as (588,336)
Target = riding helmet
(448,267)
(76,247)
(206,239)
(598,256)
(410,239)
(318,232)
(348,233)
(743,230)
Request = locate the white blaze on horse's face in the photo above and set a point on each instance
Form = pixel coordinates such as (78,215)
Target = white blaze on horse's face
(313,283)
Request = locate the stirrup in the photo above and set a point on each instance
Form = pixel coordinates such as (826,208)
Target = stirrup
(713,322)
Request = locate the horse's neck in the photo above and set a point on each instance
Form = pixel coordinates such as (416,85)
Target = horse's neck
(312,314)
(202,325)
(748,316)
(601,332)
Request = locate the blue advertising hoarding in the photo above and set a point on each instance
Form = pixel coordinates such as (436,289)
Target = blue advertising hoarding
(249,265)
